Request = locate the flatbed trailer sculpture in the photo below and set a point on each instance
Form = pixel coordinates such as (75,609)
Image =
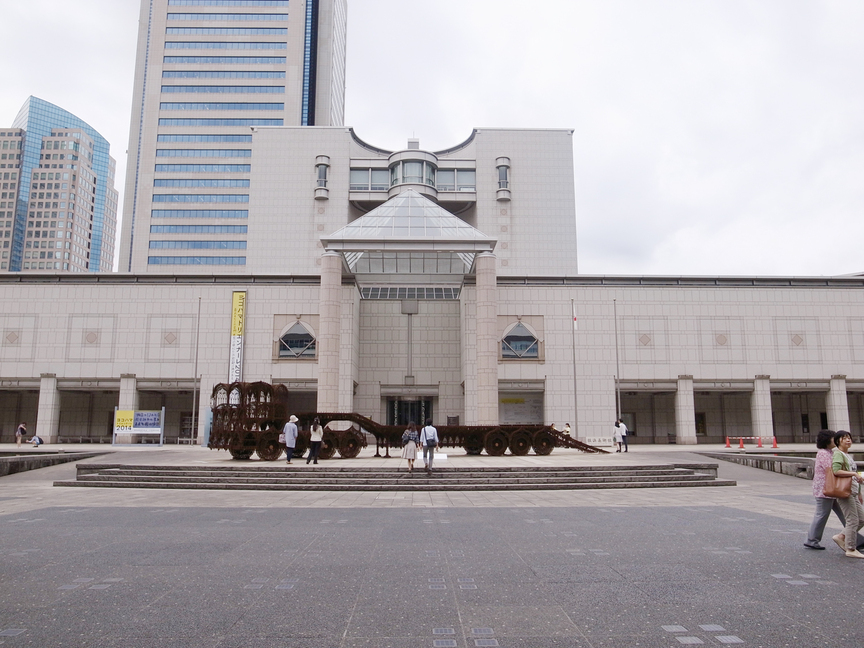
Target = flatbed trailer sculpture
(248,417)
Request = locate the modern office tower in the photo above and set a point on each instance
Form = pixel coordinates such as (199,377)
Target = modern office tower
(67,193)
(11,141)
(207,72)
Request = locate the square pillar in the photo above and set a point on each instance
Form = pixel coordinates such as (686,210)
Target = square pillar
(685,412)
(128,392)
(48,417)
(488,339)
(329,341)
(837,405)
(762,419)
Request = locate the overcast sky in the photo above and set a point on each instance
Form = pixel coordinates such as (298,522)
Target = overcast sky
(711,136)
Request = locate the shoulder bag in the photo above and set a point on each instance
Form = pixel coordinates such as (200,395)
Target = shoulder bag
(840,487)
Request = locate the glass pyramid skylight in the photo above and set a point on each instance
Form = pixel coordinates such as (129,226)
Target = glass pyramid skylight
(403,235)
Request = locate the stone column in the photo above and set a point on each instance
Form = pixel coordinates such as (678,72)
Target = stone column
(837,405)
(685,412)
(487,340)
(128,392)
(329,327)
(48,417)
(761,417)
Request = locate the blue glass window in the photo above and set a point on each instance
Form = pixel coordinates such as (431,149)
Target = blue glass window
(228,16)
(223,45)
(221,74)
(195,260)
(203,138)
(230,31)
(226,89)
(209,121)
(199,229)
(227,60)
(201,182)
(203,168)
(183,105)
(230,3)
(198,245)
(199,213)
(203,152)
(202,198)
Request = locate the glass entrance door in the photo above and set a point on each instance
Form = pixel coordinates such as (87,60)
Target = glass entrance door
(402,412)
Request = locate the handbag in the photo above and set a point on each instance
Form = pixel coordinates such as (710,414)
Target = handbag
(839,487)
(282,438)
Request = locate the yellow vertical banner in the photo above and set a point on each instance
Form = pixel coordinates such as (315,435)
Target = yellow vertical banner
(238,325)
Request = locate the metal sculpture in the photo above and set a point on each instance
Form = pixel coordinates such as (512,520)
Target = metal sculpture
(248,417)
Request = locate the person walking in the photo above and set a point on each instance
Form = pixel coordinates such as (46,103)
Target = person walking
(623,429)
(290,432)
(20,433)
(616,435)
(410,443)
(844,466)
(824,505)
(317,436)
(429,441)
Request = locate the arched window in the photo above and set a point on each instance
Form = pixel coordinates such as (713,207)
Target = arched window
(297,342)
(519,344)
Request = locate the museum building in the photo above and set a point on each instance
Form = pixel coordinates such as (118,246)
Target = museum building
(413,283)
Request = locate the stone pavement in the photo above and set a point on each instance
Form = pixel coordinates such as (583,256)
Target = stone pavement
(540,569)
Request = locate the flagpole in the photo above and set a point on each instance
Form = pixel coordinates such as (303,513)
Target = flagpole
(617,365)
(575,428)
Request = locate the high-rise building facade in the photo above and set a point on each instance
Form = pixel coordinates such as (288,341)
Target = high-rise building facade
(207,72)
(58,210)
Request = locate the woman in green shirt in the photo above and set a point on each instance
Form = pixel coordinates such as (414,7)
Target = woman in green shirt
(844,466)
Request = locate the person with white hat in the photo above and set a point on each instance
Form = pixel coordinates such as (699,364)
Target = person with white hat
(290,432)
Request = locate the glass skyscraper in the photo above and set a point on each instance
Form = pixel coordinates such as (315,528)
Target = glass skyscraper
(85,198)
(207,73)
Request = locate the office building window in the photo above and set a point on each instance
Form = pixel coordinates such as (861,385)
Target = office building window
(226,60)
(226,16)
(201,182)
(204,153)
(221,74)
(199,213)
(203,168)
(201,198)
(195,260)
(203,138)
(223,45)
(184,105)
(220,122)
(199,229)
(229,31)
(198,245)
(225,89)
(230,3)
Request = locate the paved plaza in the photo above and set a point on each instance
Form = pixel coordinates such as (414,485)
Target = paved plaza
(541,569)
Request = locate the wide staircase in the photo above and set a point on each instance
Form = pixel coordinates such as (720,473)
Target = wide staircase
(338,478)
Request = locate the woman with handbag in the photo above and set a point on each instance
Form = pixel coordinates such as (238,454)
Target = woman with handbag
(410,443)
(824,504)
(843,466)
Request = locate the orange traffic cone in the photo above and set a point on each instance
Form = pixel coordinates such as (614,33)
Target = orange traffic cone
(775,442)
(741,443)
(727,443)
(760,442)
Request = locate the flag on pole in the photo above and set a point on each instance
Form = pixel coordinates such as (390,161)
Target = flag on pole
(575,319)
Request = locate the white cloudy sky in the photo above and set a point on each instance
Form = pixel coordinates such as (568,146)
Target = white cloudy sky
(711,136)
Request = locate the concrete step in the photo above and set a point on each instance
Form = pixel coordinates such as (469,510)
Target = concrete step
(319,478)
